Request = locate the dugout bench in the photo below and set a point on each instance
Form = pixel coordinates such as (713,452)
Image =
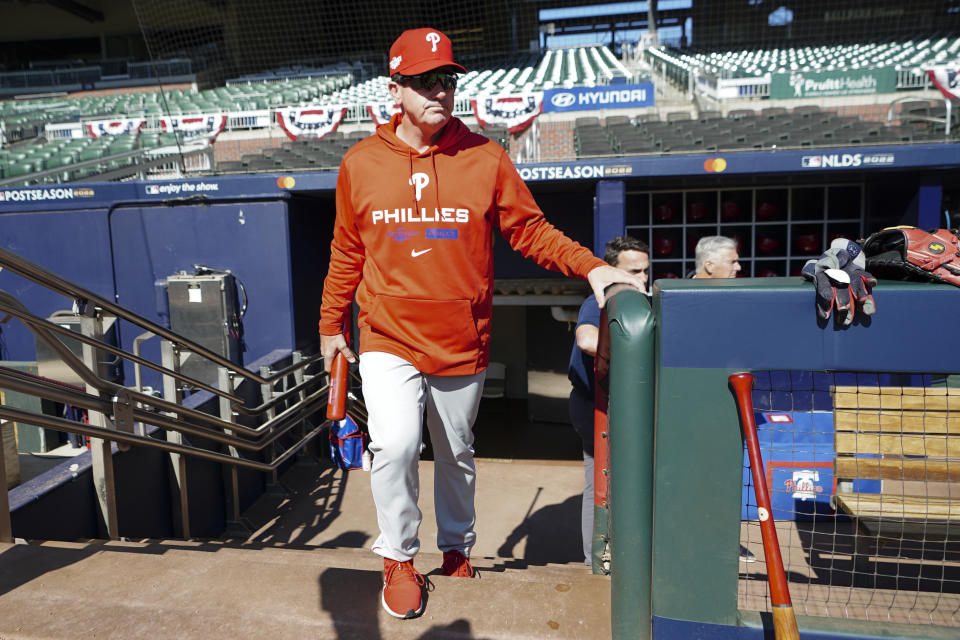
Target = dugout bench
(908,439)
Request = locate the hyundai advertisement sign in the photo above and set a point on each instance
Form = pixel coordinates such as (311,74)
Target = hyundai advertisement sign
(618,96)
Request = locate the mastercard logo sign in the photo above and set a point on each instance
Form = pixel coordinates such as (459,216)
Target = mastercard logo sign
(715,165)
(286,182)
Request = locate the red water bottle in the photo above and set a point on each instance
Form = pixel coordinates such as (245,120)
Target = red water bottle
(337,393)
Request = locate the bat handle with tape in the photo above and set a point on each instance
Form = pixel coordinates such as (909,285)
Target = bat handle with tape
(784,619)
(337,393)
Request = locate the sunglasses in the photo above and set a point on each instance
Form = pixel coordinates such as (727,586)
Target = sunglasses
(428,80)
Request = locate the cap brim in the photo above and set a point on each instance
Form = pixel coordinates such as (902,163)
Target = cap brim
(429,65)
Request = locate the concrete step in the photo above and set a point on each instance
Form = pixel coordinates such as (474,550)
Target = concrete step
(528,512)
(184,589)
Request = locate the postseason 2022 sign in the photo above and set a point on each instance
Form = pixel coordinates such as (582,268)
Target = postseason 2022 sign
(614,96)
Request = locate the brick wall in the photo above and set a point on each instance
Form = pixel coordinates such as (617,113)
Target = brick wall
(234,149)
(556,141)
(866,112)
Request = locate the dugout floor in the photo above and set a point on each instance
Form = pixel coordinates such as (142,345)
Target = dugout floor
(305,570)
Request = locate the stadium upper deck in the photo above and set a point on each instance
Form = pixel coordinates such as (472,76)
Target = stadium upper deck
(310,103)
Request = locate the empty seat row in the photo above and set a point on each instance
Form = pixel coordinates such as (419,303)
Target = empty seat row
(911,53)
(773,128)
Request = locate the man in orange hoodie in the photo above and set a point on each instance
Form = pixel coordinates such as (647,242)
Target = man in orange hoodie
(412,244)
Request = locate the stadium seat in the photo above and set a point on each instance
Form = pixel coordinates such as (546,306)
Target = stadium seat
(806,111)
(739,114)
(230,165)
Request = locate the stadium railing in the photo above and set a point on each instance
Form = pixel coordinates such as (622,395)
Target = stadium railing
(742,74)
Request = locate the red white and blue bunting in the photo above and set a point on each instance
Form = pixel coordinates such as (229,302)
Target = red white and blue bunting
(310,122)
(514,111)
(195,126)
(947,80)
(381,112)
(121,127)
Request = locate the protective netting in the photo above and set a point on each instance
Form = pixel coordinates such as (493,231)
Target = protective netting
(863,473)
(231,39)
(299,69)
(227,39)
(755,24)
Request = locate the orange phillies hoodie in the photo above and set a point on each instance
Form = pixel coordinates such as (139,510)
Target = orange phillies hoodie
(413,238)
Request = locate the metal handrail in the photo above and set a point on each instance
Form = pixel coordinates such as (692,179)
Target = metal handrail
(101,385)
(118,409)
(124,407)
(12,306)
(35,273)
(52,390)
(62,424)
(946,120)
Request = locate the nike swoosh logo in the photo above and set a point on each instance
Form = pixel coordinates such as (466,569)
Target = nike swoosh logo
(414,253)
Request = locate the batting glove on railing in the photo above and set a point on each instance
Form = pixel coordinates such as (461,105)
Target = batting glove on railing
(862,283)
(842,282)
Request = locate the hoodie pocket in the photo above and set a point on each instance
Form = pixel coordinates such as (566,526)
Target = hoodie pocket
(444,331)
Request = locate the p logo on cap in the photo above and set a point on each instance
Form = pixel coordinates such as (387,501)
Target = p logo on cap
(417,51)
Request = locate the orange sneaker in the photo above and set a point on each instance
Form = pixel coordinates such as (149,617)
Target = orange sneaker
(456,565)
(402,589)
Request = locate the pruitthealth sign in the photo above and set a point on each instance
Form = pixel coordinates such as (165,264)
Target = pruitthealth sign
(618,96)
(818,84)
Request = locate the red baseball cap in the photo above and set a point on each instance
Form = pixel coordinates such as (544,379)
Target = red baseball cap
(417,51)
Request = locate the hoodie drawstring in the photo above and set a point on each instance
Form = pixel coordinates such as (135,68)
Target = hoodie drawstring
(436,178)
(413,184)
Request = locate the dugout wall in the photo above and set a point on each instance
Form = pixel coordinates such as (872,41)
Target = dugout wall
(273,230)
(704,331)
(123,240)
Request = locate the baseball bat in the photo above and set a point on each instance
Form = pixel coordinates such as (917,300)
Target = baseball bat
(337,393)
(784,619)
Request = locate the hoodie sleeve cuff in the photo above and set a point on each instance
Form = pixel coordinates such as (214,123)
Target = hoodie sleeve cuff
(589,265)
(326,328)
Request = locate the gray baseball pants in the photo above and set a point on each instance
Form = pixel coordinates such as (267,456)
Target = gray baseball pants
(396,396)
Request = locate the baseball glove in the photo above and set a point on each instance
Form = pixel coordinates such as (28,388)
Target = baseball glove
(908,253)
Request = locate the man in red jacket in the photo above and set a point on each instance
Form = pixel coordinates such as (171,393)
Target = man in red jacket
(412,245)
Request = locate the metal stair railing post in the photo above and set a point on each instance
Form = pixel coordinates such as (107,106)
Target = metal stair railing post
(266,394)
(6,527)
(234,524)
(172,392)
(137,376)
(101,450)
(298,378)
